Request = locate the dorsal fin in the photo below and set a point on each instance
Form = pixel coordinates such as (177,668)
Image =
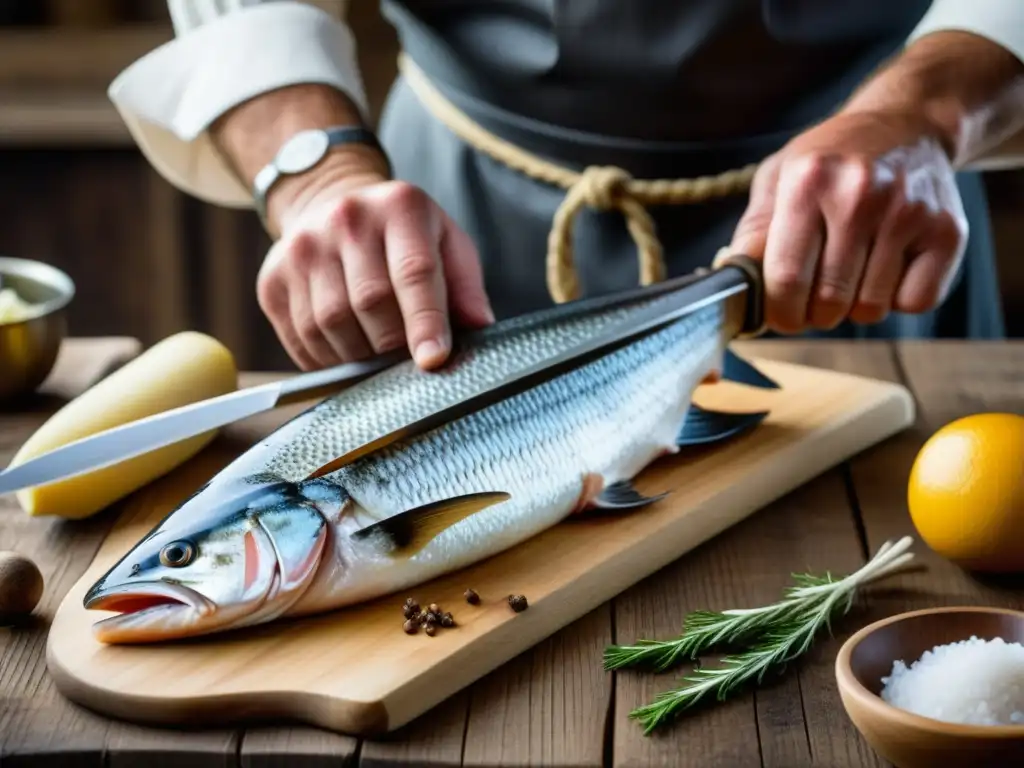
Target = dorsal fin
(408,532)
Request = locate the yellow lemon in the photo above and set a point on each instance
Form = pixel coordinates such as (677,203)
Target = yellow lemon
(966,492)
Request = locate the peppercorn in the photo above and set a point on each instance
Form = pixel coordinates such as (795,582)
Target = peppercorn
(434,608)
(447,620)
(518,603)
(411,627)
(430,629)
(411,608)
(472,597)
(421,617)
(433,618)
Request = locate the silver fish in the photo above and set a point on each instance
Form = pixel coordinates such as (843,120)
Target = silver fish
(266,539)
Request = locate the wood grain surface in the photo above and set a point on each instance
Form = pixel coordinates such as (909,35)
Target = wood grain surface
(356,672)
(794,722)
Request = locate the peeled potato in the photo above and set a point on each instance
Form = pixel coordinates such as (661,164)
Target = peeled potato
(181,369)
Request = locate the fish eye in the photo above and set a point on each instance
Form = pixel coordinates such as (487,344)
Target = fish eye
(177,554)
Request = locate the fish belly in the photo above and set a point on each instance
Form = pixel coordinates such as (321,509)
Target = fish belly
(547,447)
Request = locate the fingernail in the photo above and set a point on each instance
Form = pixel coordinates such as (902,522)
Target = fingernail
(430,352)
(488,314)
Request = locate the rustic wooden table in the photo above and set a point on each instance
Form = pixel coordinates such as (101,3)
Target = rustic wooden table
(554,705)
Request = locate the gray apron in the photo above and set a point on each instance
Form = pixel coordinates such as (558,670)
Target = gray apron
(662,90)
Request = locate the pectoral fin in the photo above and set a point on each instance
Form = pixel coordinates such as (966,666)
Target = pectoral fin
(408,532)
(735,368)
(703,426)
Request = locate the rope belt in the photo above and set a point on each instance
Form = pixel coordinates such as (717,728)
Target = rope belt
(602,188)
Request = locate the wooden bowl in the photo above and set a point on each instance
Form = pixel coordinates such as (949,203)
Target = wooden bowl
(908,740)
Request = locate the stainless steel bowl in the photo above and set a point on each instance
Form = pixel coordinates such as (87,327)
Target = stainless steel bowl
(29,346)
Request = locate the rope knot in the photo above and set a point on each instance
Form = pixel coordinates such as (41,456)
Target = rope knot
(599,187)
(603,186)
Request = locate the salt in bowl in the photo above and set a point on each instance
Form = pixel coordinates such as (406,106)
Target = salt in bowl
(906,739)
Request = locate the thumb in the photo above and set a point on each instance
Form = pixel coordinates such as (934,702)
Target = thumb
(466,294)
(751,234)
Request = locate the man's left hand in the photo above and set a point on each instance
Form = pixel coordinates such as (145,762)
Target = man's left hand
(855,218)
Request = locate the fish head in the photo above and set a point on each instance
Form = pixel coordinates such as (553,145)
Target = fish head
(221,560)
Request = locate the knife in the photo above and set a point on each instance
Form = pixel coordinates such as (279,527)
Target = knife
(735,280)
(112,446)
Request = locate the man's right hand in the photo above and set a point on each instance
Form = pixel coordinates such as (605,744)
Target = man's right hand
(364,265)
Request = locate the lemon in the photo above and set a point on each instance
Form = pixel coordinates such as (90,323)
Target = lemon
(966,492)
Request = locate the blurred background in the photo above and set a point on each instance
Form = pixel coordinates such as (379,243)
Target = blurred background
(148,260)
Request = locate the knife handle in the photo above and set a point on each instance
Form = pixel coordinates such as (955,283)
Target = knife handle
(754,321)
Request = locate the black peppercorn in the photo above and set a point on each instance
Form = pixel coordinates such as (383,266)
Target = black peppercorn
(411,627)
(472,597)
(411,608)
(518,603)
(447,620)
(434,608)
(433,618)
(430,629)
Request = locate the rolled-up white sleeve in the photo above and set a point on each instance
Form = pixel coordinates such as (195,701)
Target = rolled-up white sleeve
(1002,22)
(224,53)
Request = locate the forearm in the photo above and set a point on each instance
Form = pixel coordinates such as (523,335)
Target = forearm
(249,136)
(970,88)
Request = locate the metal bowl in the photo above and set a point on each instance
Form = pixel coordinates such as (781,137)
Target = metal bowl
(29,346)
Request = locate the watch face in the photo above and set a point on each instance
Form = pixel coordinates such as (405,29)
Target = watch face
(303,151)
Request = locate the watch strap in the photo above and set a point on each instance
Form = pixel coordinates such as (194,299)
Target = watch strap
(334,136)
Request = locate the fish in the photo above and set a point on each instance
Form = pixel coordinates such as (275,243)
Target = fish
(322,514)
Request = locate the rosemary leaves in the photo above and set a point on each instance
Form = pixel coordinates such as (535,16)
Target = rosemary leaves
(769,636)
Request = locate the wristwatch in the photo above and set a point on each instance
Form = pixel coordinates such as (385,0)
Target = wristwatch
(304,151)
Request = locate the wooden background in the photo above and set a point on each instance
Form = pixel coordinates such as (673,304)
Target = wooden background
(148,260)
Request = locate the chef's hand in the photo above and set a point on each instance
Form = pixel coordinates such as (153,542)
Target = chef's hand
(855,218)
(365,265)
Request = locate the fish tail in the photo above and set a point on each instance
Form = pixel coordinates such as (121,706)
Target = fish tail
(702,426)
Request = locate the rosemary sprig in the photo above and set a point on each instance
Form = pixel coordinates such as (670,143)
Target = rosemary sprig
(774,635)
(707,630)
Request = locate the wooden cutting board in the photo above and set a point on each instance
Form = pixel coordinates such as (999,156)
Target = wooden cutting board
(355,670)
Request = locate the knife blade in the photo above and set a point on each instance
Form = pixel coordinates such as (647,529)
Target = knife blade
(112,446)
(737,277)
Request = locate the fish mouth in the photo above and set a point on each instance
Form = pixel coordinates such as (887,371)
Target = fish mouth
(148,610)
(143,596)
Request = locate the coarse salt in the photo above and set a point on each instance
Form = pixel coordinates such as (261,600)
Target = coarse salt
(972,682)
